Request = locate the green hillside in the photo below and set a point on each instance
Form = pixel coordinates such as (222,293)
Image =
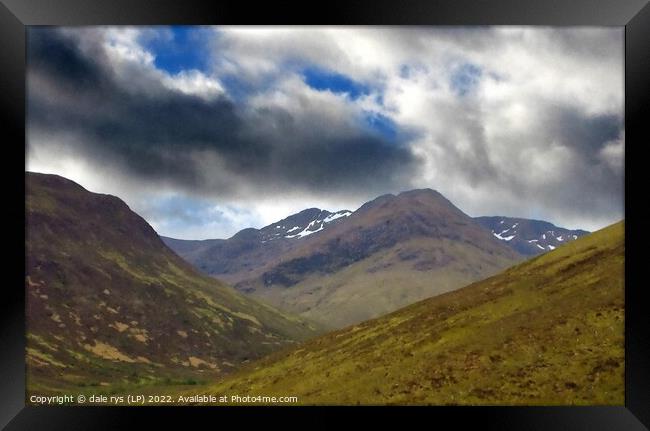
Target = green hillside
(548,331)
(110,306)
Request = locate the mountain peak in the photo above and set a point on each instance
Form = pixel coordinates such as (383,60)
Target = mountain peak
(302,224)
(426,202)
(425,195)
(420,192)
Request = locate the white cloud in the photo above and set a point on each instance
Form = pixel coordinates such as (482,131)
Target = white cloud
(135,65)
(194,82)
(613,153)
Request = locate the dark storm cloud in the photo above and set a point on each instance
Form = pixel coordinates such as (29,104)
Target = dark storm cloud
(585,134)
(579,180)
(154,132)
(57,56)
(585,42)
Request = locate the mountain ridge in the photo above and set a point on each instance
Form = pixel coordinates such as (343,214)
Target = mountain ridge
(528,236)
(93,270)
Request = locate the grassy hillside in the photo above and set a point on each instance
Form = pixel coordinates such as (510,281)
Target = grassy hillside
(390,279)
(547,331)
(110,306)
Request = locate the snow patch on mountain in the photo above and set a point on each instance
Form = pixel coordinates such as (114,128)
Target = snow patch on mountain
(317,225)
(504,238)
(337,216)
(307,231)
(302,224)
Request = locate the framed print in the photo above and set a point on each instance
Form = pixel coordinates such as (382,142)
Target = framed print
(377,208)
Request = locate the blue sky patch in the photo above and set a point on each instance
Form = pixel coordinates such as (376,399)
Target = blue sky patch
(189,217)
(324,80)
(381,124)
(183,209)
(465,78)
(405,71)
(188,49)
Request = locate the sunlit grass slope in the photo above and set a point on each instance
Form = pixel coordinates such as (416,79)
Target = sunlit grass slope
(547,331)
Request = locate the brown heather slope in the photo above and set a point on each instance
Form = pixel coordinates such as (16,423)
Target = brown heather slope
(109,304)
(547,331)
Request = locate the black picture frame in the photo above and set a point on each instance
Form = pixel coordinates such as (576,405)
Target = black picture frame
(15,15)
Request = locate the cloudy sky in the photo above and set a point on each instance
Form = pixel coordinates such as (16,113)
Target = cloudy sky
(207,130)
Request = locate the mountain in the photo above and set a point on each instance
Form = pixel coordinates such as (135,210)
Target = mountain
(529,237)
(300,225)
(109,304)
(549,331)
(392,251)
(232,260)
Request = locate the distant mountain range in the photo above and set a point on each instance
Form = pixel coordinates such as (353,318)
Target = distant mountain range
(344,267)
(525,236)
(108,303)
(529,237)
(549,331)
(250,248)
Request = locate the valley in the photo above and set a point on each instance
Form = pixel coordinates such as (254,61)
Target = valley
(433,308)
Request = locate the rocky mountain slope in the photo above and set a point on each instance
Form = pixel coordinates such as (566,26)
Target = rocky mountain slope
(233,259)
(548,331)
(529,237)
(108,303)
